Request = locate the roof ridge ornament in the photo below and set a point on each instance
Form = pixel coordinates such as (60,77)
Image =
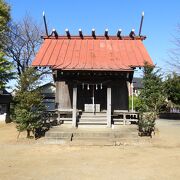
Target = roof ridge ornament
(119,33)
(80,33)
(141,23)
(93,33)
(55,33)
(68,33)
(132,34)
(106,33)
(45,24)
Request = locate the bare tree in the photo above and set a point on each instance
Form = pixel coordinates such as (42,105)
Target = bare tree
(174,54)
(24,39)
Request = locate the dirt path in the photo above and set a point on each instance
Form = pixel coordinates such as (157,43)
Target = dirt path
(160,159)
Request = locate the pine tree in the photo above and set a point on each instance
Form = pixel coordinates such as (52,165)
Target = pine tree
(5,66)
(152,96)
(5,71)
(28,103)
(151,99)
(4,20)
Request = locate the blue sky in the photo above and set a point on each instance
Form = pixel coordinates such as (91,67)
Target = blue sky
(160,21)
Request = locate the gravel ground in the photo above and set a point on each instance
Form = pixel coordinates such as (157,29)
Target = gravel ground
(30,159)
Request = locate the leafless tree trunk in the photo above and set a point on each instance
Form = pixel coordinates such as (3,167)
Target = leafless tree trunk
(174,54)
(24,39)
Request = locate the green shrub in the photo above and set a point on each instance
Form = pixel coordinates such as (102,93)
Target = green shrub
(146,123)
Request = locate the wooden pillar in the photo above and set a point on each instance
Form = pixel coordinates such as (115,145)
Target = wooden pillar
(124,118)
(132,100)
(74,107)
(109,107)
(57,96)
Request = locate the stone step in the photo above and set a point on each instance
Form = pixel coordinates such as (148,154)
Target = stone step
(96,142)
(92,119)
(92,122)
(49,140)
(65,119)
(93,114)
(93,142)
(92,135)
(67,127)
(82,142)
(89,138)
(92,126)
(119,123)
(84,134)
(59,135)
(67,122)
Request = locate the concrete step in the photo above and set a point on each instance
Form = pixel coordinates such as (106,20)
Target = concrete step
(93,117)
(94,114)
(58,135)
(54,134)
(57,141)
(92,126)
(119,123)
(67,122)
(117,119)
(97,142)
(93,142)
(92,135)
(65,119)
(82,142)
(92,122)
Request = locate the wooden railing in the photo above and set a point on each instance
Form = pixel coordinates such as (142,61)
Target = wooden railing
(125,116)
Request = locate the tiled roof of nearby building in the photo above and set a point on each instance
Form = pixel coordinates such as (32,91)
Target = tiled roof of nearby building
(88,53)
(5,97)
(4,92)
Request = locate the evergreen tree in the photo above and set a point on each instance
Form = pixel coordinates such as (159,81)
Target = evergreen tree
(172,88)
(5,66)
(152,95)
(28,103)
(5,71)
(151,99)
(4,20)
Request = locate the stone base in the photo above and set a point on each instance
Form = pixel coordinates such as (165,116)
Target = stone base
(91,136)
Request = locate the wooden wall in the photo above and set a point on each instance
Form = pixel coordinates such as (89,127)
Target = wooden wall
(119,94)
(63,95)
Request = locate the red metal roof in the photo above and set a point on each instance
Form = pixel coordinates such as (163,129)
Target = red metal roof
(111,54)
